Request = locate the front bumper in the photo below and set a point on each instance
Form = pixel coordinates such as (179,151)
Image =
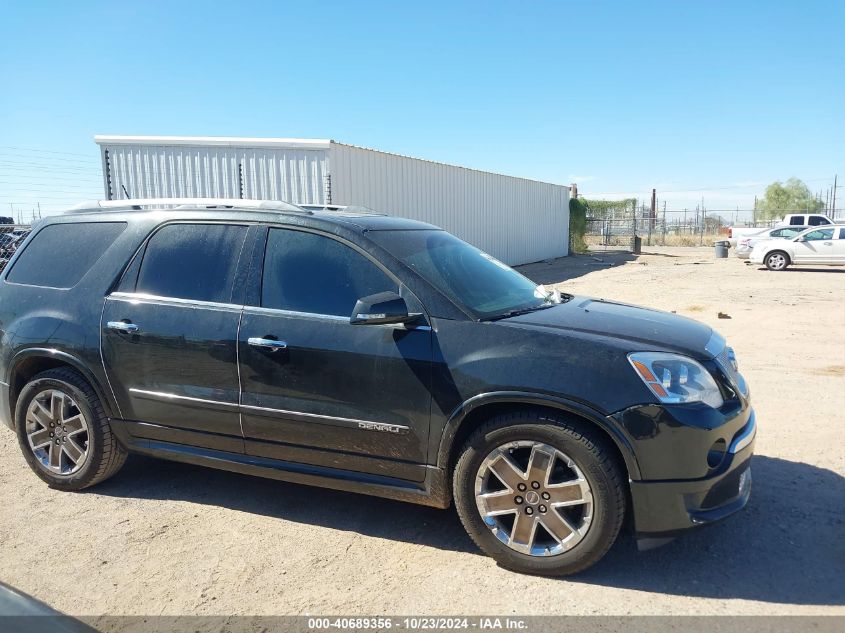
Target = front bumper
(664,507)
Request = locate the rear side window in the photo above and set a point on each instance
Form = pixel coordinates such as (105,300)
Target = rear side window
(60,254)
(192,261)
(798,220)
(305,272)
(842,234)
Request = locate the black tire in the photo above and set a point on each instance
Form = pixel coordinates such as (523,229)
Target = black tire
(777,261)
(589,451)
(104,455)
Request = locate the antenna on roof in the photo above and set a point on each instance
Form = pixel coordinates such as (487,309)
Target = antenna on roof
(122,186)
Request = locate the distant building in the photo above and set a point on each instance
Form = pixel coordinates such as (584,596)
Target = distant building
(514,219)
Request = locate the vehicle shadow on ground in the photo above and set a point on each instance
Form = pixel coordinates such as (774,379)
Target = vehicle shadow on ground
(566,268)
(804,269)
(785,547)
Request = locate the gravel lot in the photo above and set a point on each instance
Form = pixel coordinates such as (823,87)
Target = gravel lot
(164,538)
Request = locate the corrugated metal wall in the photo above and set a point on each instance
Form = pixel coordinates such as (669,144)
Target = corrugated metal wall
(514,219)
(184,171)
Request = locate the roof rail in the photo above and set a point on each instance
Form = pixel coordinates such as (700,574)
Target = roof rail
(346,208)
(209,203)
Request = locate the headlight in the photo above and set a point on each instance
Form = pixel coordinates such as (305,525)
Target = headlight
(674,378)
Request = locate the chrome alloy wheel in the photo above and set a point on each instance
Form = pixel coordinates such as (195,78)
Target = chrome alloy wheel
(534,498)
(777,261)
(57,431)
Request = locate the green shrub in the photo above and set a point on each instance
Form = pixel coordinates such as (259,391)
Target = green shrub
(577,226)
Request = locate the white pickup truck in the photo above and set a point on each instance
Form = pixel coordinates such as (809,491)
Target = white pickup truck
(791,219)
(805,219)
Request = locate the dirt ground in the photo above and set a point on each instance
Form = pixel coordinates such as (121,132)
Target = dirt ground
(164,538)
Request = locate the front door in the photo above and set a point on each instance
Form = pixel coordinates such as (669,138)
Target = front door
(816,247)
(318,390)
(169,337)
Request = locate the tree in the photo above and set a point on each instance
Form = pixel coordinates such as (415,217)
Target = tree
(782,198)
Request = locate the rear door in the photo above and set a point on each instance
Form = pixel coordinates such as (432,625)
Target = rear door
(839,247)
(169,336)
(318,390)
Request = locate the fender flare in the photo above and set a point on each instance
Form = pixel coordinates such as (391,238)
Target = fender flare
(458,416)
(69,359)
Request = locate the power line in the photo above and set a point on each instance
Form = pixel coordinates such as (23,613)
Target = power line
(43,151)
(45,185)
(15,164)
(731,187)
(48,160)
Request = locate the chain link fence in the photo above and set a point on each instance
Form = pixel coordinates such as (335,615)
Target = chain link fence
(680,228)
(11,236)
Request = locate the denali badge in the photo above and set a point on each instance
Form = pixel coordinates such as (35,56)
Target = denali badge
(375,426)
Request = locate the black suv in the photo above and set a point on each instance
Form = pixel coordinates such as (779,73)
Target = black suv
(373,354)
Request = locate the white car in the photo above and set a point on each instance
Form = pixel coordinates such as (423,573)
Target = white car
(746,244)
(818,246)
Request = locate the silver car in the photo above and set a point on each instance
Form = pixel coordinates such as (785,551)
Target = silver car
(745,245)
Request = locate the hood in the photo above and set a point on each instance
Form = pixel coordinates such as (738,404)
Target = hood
(648,329)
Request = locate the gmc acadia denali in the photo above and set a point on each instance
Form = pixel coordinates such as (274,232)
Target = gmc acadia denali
(357,351)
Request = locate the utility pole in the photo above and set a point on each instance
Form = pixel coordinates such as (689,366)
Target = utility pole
(833,205)
(653,213)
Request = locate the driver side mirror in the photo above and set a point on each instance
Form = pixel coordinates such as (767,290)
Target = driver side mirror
(380,309)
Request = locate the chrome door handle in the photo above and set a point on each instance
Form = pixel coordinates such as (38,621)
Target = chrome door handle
(122,326)
(828,243)
(268,343)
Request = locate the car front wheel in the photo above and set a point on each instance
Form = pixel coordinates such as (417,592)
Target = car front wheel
(777,260)
(539,493)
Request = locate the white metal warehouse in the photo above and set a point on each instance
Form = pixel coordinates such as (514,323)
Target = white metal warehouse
(514,219)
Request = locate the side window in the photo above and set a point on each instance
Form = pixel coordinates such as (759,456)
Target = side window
(55,259)
(821,234)
(305,272)
(789,232)
(798,220)
(192,261)
(817,220)
(842,234)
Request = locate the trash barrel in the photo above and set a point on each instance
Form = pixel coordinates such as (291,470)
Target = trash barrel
(722,249)
(636,245)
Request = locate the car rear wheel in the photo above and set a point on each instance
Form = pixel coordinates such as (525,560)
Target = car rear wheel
(64,432)
(540,493)
(777,260)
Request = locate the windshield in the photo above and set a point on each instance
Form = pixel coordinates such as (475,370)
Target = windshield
(472,279)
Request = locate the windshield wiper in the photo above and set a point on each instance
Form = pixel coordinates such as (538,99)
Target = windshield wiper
(513,313)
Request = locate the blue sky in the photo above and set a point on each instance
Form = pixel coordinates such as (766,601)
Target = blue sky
(713,99)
